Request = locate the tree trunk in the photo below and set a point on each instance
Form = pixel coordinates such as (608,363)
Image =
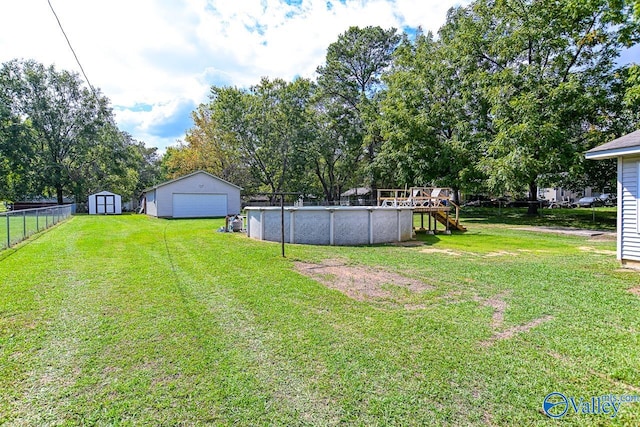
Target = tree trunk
(533,199)
(326,187)
(59,194)
(337,191)
(456,195)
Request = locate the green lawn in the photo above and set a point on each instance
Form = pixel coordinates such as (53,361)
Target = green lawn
(602,218)
(128,320)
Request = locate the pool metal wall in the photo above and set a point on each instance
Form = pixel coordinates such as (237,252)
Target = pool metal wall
(344,225)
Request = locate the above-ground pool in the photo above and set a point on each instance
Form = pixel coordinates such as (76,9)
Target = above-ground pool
(339,225)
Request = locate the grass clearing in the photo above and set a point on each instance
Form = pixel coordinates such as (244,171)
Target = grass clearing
(135,320)
(601,218)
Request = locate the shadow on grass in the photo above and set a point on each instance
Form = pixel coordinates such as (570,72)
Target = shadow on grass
(592,219)
(427,239)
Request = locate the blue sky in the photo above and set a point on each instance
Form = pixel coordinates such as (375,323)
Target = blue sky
(157,59)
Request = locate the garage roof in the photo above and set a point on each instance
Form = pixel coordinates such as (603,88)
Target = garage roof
(187,176)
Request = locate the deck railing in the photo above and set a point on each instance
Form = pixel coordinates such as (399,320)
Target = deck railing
(425,199)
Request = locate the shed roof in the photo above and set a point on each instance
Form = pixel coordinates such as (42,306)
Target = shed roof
(104,192)
(359,191)
(187,176)
(625,145)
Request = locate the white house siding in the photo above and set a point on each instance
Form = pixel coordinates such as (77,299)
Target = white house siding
(197,183)
(629,197)
(151,205)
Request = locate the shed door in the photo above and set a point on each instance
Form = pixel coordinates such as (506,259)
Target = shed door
(105,204)
(198,205)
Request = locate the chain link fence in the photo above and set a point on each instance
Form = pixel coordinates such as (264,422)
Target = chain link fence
(16,226)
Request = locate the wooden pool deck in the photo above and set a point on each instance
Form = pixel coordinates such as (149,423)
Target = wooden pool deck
(436,202)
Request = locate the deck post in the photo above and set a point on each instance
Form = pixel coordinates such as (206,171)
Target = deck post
(432,230)
(447,230)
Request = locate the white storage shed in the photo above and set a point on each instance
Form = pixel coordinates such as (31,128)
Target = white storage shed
(626,150)
(197,195)
(105,203)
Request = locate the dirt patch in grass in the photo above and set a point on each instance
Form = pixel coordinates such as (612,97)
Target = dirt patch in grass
(571,231)
(440,251)
(593,250)
(604,237)
(360,283)
(635,291)
(500,253)
(514,330)
(499,306)
(415,307)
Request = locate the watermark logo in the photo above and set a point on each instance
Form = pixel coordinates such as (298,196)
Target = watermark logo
(557,405)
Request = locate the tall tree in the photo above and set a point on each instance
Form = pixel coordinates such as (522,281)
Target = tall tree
(351,83)
(432,117)
(543,65)
(148,166)
(206,148)
(16,151)
(616,115)
(270,124)
(65,119)
(335,153)
(118,163)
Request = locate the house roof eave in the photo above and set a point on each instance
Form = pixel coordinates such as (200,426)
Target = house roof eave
(613,153)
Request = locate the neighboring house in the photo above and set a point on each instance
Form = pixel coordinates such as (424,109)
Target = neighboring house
(355,196)
(627,150)
(197,195)
(40,202)
(257,200)
(559,194)
(104,203)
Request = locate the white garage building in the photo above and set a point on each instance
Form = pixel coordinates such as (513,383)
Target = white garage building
(197,195)
(105,203)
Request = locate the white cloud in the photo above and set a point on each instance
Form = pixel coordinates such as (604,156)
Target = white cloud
(166,54)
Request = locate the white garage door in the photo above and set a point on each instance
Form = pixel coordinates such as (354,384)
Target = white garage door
(192,205)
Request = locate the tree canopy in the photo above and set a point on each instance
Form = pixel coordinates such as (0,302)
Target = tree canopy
(59,137)
(503,99)
(545,67)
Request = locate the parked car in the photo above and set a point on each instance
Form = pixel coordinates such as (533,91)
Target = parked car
(524,203)
(565,204)
(608,199)
(588,202)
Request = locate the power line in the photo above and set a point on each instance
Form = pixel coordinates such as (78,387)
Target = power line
(72,51)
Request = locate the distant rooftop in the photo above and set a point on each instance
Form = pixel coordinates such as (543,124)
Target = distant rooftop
(360,191)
